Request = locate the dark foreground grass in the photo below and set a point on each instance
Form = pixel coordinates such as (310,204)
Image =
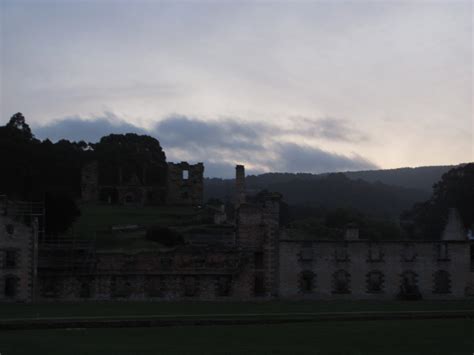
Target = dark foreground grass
(356,337)
(108,309)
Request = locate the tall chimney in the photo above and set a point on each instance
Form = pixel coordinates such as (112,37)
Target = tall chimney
(239,185)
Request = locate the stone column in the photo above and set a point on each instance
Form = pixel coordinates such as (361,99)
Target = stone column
(239,185)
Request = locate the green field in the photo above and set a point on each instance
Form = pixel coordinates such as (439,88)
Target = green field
(96,221)
(107,309)
(441,336)
(357,337)
(102,217)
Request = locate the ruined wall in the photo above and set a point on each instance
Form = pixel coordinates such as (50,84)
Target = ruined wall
(185,184)
(440,269)
(184,274)
(240,191)
(257,236)
(130,190)
(90,182)
(17,256)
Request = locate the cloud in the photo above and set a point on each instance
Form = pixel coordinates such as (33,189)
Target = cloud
(75,128)
(221,144)
(299,158)
(182,131)
(329,128)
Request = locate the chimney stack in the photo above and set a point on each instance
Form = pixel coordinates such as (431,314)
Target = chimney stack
(239,185)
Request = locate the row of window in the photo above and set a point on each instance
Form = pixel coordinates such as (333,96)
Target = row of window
(155,286)
(341,282)
(375,254)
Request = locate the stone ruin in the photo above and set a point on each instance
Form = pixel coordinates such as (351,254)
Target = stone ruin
(182,186)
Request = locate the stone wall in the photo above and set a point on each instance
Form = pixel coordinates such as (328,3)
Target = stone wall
(132,191)
(17,256)
(310,269)
(179,274)
(257,236)
(185,184)
(90,182)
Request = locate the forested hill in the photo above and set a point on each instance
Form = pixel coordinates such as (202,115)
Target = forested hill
(422,178)
(327,191)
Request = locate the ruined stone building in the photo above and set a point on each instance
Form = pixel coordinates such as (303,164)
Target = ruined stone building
(185,184)
(252,258)
(174,184)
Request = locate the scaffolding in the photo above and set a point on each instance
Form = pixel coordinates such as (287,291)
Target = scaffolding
(26,212)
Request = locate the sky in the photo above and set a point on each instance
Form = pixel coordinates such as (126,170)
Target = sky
(301,86)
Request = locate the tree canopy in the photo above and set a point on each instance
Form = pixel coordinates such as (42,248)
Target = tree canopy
(454,190)
(50,172)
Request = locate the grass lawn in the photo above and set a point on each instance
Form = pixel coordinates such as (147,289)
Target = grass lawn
(102,217)
(96,221)
(356,337)
(95,309)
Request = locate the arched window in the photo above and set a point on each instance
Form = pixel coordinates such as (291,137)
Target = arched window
(341,282)
(409,286)
(307,281)
(375,280)
(442,282)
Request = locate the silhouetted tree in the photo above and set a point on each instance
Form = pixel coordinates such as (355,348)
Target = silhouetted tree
(455,190)
(133,154)
(61,212)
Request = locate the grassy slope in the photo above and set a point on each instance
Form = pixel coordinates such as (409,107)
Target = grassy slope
(96,221)
(102,217)
(372,337)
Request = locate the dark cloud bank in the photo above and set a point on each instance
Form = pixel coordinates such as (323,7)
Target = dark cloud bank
(221,144)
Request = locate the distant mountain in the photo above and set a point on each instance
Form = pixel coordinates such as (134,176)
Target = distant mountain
(327,191)
(422,178)
(376,192)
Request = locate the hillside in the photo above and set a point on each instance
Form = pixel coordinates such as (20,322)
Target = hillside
(327,191)
(422,178)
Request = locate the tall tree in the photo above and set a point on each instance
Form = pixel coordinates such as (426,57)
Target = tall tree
(454,190)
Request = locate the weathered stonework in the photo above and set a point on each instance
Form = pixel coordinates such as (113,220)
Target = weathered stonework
(391,261)
(90,182)
(255,259)
(185,184)
(18,248)
(182,273)
(240,191)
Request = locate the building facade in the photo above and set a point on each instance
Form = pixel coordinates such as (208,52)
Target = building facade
(19,232)
(359,269)
(254,259)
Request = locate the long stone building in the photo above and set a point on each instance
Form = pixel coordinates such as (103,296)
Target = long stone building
(253,258)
